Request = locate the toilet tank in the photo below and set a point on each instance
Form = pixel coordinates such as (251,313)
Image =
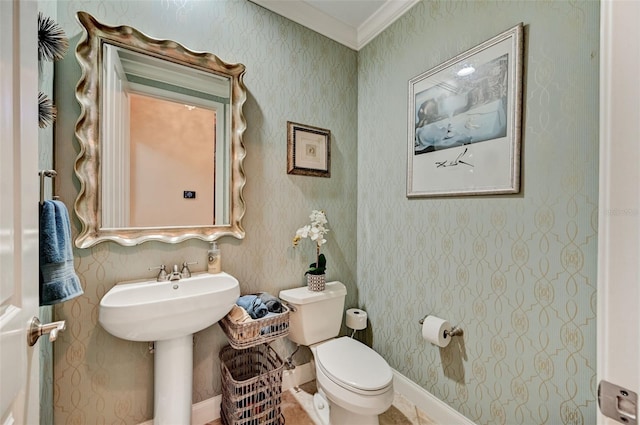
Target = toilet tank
(318,315)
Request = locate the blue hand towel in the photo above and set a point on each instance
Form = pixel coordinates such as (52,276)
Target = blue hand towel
(254,306)
(273,303)
(58,279)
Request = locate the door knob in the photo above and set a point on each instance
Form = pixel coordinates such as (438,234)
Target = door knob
(36,329)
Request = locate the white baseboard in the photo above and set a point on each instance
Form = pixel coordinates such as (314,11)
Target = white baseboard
(441,413)
(436,409)
(203,412)
(206,411)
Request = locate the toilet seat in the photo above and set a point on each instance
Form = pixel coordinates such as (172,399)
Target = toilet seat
(354,366)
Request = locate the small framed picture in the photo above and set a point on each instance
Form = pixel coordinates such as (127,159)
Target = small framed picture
(465,119)
(308,150)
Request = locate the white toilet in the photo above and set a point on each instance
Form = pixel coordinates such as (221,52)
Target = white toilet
(356,380)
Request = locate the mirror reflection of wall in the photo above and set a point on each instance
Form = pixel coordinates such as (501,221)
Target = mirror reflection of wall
(162,170)
(163,124)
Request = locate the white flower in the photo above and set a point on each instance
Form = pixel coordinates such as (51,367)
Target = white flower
(303,232)
(314,231)
(318,218)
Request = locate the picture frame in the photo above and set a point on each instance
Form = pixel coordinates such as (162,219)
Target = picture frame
(465,122)
(308,150)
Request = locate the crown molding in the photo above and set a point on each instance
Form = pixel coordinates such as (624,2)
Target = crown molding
(381,19)
(354,38)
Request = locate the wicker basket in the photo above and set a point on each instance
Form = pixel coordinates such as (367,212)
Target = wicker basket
(259,331)
(251,386)
(316,282)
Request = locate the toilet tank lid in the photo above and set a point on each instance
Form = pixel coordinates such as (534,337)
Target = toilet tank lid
(302,295)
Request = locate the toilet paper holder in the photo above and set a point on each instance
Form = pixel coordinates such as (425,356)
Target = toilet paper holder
(455,331)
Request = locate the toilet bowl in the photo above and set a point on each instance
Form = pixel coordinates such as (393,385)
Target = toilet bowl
(321,407)
(356,381)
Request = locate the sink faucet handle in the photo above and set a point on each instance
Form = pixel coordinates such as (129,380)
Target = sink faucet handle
(185,269)
(162,275)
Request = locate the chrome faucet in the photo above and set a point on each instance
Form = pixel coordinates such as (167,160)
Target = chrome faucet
(175,274)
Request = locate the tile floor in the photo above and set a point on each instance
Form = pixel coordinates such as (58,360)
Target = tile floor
(297,407)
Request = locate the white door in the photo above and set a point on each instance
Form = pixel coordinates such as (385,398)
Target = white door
(19,364)
(619,219)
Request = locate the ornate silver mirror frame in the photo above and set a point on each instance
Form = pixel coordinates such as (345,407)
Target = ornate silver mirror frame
(88,205)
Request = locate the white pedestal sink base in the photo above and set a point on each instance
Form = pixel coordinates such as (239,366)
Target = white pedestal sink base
(169,312)
(173,377)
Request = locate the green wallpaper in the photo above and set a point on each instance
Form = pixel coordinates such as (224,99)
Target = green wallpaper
(292,74)
(517,273)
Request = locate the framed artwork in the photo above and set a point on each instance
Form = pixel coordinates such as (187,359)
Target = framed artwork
(308,150)
(465,120)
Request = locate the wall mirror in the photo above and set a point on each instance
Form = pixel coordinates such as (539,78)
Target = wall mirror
(160,133)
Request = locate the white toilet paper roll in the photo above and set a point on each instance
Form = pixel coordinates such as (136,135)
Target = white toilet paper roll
(356,319)
(433,330)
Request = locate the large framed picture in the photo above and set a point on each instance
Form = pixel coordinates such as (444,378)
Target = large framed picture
(465,120)
(308,150)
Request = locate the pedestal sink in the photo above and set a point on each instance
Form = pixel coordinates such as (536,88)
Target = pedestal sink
(169,313)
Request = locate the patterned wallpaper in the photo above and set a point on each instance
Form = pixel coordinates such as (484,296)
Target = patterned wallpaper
(517,273)
(293,74)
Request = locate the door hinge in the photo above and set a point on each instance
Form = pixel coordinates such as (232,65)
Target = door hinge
(618,403)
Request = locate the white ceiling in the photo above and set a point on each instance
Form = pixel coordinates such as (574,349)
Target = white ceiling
(350,22)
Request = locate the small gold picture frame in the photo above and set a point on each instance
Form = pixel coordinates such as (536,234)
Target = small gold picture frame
(308,150)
